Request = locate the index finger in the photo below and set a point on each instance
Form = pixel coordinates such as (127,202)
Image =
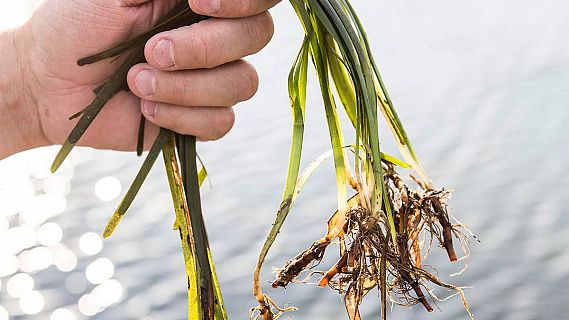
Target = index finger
(231,8)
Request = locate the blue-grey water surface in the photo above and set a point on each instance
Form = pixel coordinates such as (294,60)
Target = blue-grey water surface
(483,89)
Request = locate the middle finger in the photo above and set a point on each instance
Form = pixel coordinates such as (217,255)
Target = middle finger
(225,85)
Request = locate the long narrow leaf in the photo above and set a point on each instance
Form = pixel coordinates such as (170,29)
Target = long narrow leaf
(342,81)
(188,160)
(178,16)
(109,89)
(137,183)
(342,19)
(182,219)
(388,109)
(297,93)
(340,160)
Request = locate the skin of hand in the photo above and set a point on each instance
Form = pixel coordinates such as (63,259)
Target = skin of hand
(193,78)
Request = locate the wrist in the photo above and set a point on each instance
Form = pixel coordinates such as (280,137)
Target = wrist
(19,122)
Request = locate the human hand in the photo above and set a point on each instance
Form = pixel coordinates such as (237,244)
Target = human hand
(193,77)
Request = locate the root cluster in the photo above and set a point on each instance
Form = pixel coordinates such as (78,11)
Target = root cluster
(370,259)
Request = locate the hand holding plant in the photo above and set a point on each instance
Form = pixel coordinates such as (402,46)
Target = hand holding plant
(193,94)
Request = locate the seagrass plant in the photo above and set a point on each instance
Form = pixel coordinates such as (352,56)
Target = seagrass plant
(384,227)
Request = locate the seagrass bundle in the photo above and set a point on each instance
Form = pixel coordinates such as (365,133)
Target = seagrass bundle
(384,224)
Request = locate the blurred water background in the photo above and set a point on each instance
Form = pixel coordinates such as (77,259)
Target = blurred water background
(482,87)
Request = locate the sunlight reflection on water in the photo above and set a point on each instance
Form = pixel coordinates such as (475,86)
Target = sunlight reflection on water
(62,314)
(91,243)
(31,240)
(484,96)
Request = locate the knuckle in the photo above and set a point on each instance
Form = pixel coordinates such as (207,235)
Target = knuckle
(266,26)
(248,82)
(200,51)
(259,30)
(245,7)
(222,122)
(179,89)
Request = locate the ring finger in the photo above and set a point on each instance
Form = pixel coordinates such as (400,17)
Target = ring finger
(206,123)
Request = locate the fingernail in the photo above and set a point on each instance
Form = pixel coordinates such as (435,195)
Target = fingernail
(149,108)
(146,82)
(163,53)
(209,6)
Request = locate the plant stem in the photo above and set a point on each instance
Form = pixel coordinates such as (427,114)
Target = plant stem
(192,190)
